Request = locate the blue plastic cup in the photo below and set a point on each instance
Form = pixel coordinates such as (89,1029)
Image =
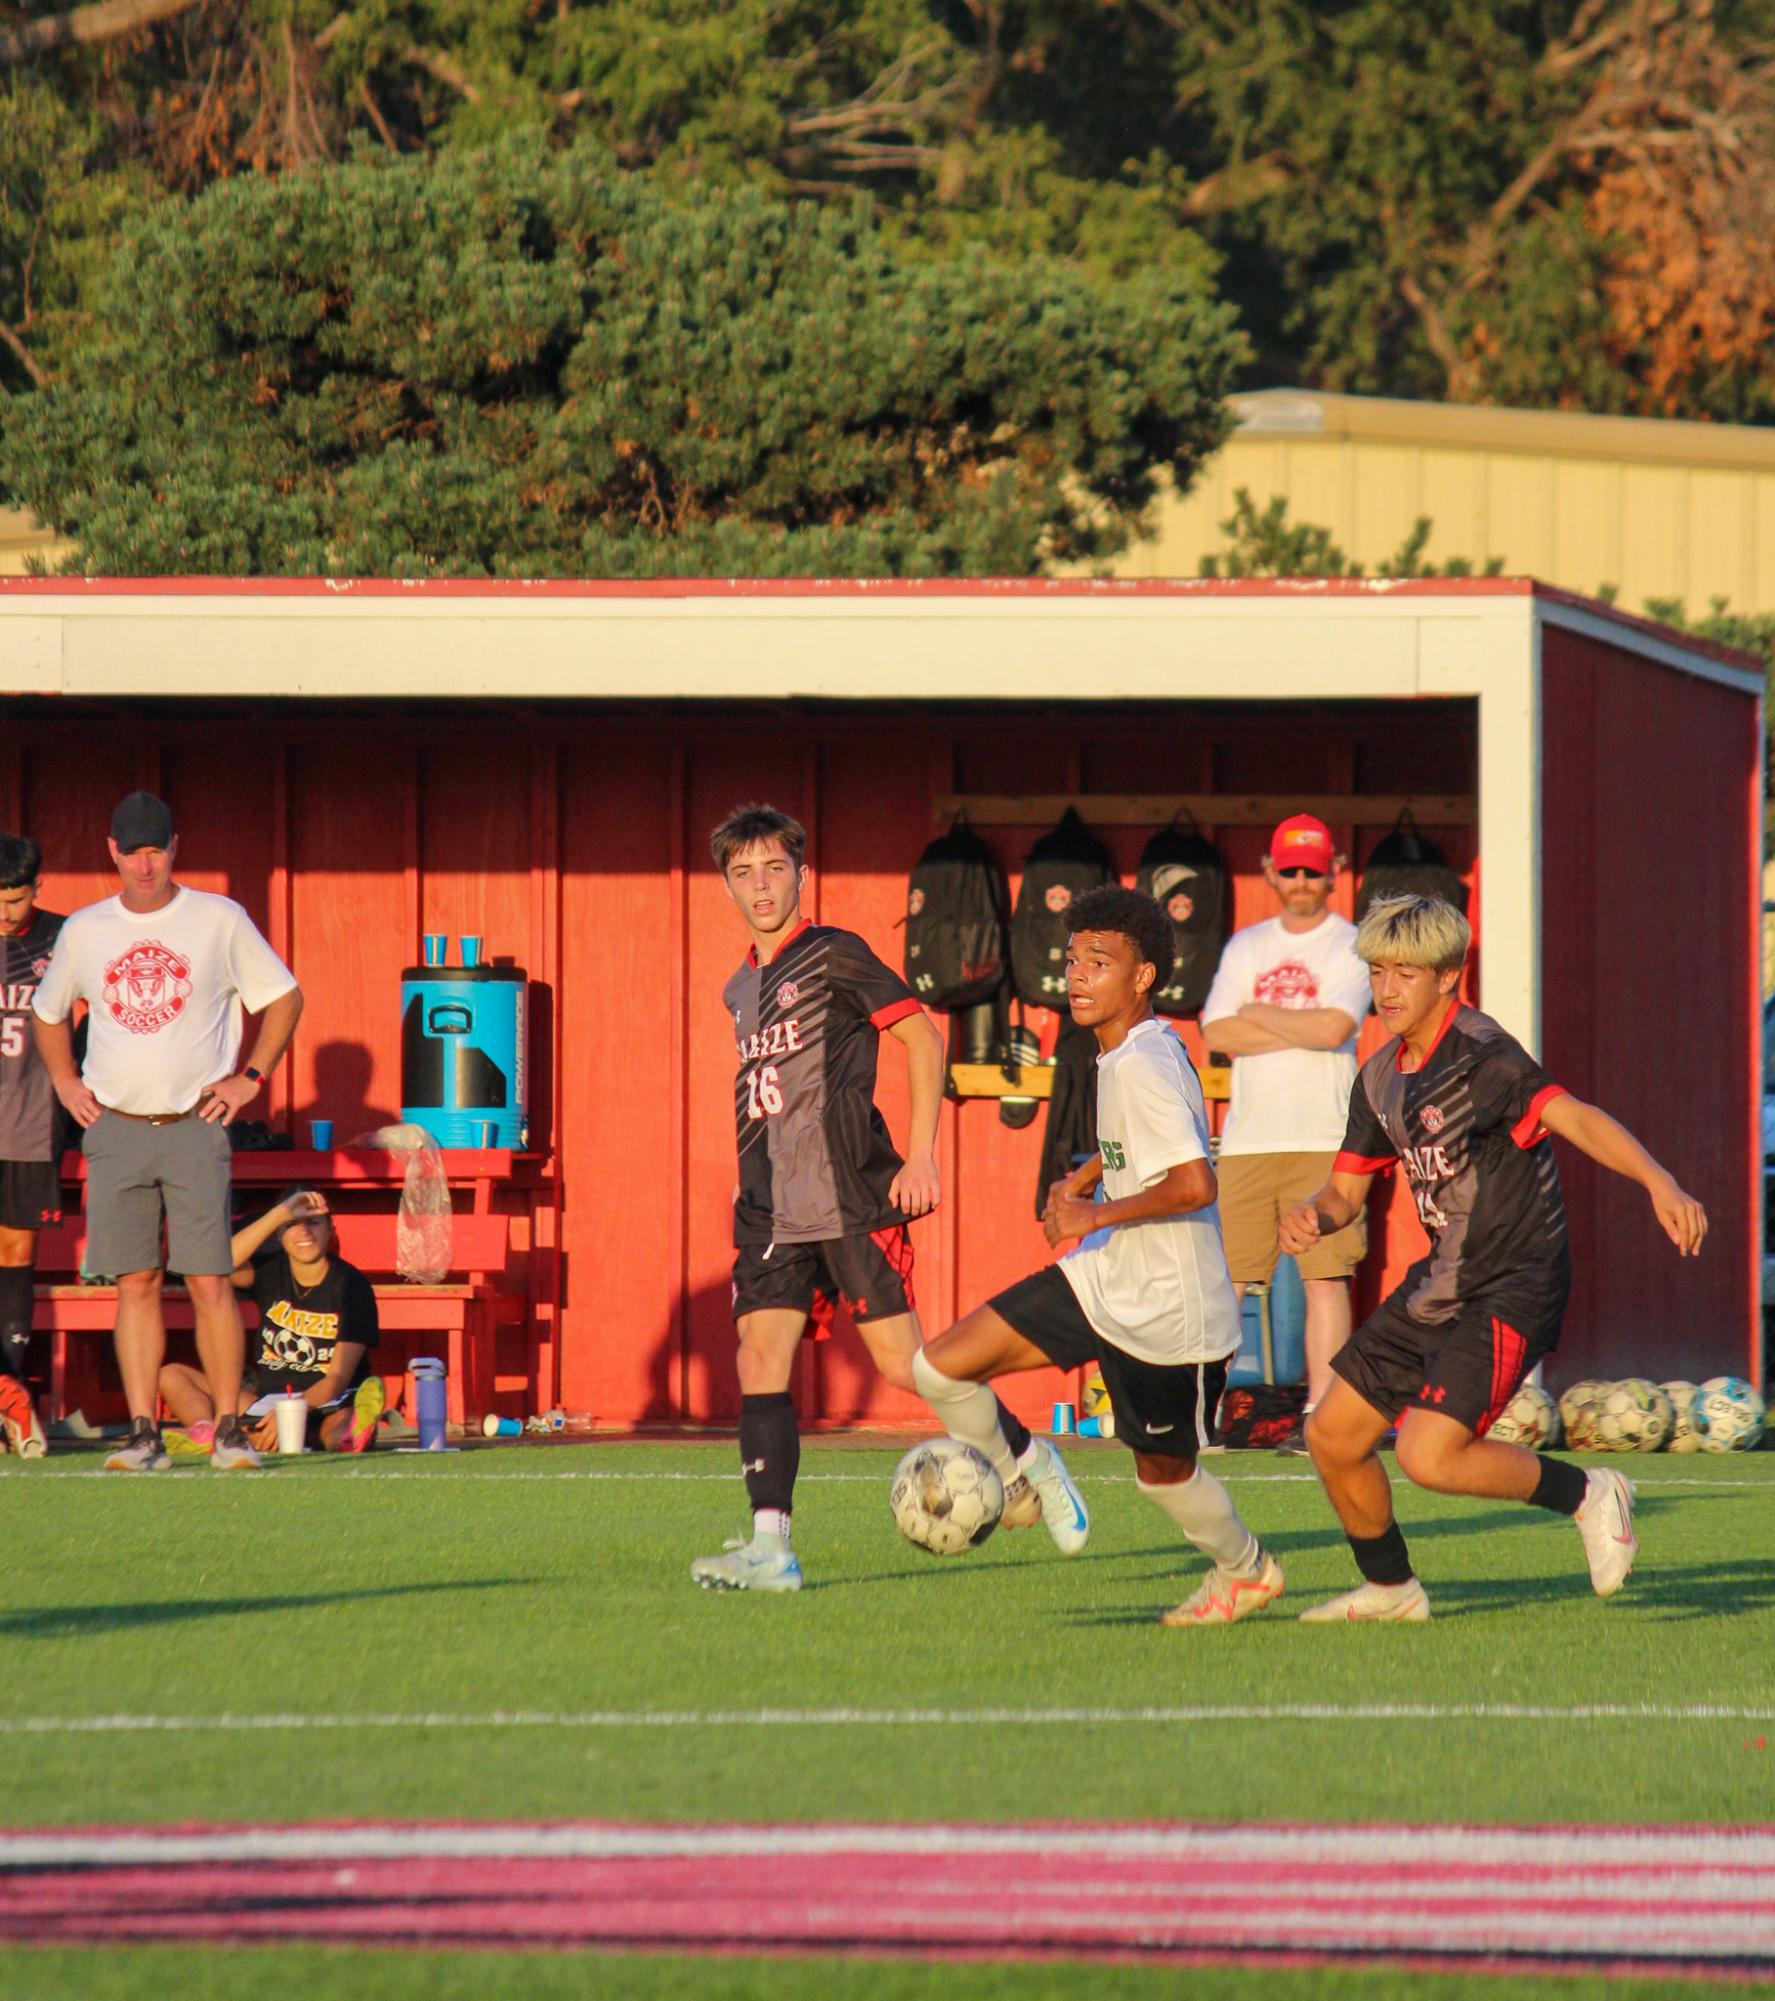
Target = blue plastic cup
(486,1133)
(1066,1421)
(501,1427)
(436,944)
(320,1135)
(471,949)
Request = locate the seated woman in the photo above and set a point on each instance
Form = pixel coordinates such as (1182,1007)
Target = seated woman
(317,1329)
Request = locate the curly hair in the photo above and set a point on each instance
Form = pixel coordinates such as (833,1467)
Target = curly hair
(1134,916)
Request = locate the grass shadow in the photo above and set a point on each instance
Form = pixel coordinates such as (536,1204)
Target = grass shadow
(43,1622)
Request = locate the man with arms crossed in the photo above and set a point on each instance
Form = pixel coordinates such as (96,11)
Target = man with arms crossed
(30,1153)
(1466,1110)
(1285,1005)
(823,1200)
(164,971)
(1145,1296)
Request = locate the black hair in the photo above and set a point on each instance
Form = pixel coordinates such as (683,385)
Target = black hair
(749,827)
(1135,916)
(21,861)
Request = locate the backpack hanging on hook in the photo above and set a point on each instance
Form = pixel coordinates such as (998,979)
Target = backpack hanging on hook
(1064,862)
(1404,863)
(1181,870)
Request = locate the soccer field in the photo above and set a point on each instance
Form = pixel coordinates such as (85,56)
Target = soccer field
(511,1634)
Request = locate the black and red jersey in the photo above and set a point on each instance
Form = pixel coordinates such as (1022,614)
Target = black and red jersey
(28,1104)
(1467,1129)
(815,1158)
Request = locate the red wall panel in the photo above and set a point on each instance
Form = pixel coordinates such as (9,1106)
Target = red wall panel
(1649,997)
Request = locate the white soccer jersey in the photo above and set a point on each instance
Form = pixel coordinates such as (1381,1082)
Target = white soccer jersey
(1159,1290)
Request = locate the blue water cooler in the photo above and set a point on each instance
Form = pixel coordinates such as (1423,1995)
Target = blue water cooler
(462,1053)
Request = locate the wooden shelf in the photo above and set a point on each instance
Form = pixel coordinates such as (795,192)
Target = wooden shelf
(988,1080)
(1231,809)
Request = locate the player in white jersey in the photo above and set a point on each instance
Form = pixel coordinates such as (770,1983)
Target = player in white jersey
(1145,1296)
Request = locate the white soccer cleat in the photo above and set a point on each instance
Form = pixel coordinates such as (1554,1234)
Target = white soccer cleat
(1221,1597)
(1408,1602)
(1605,1521)
(1023,1505)
(764,1564)
(1063,1506)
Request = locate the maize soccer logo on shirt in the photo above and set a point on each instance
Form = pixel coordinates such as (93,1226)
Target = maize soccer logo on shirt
(1288,985)
(147,988)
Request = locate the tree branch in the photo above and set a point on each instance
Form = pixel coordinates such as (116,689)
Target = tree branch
(438,65)
(102,22)
(26,361)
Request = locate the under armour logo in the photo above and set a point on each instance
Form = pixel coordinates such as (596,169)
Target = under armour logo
(751,1465)
(1428,1395)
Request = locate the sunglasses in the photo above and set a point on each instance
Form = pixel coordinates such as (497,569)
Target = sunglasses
(1301,874)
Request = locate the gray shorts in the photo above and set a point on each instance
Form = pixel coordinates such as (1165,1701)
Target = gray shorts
(141,1179)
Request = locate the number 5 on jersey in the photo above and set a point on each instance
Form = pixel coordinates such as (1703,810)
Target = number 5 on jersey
(763,1094)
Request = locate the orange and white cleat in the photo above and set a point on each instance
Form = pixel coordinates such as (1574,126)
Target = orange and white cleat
(1221,1597)
(18,1420)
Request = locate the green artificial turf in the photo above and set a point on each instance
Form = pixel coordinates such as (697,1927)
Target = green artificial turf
(553,1580)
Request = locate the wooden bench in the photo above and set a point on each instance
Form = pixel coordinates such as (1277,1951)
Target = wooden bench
(464,1313)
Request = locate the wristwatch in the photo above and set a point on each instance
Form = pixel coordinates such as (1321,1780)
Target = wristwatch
(258,1076)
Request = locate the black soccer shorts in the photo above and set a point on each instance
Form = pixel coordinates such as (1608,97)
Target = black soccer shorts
(30,1194)
(1166,1409)
(871,1273)
(1467,1368)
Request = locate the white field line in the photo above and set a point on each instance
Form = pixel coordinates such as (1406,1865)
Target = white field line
(1710,1858)
(123,1724)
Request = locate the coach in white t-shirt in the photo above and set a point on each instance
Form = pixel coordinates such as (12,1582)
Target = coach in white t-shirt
(1285,1005)
(165,972)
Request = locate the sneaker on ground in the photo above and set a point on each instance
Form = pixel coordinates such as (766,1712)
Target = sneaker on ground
(367,1407)
(18,1420)
(1063,1506)
(1023,1505)
(229,1451)
(141,1452)
(192,1441)
(1221,1597)
(1408,1601)
(1294,1446)
(763,1564)
(1605,1521)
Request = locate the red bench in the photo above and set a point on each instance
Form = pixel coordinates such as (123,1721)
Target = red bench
(465,1313)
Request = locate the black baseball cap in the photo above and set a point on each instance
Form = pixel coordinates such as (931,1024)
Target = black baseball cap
(142,821)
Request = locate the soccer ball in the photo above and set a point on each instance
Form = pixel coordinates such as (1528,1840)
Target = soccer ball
(1634,1416)
(1577,1414)
(1683,1435)
(1530,1418)
(945,1497)
(1727,1415)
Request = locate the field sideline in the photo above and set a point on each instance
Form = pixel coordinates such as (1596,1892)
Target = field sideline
(510,1634)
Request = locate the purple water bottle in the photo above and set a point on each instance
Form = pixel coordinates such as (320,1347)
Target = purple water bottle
(432,1402)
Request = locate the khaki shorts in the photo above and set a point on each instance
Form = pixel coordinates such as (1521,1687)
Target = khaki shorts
(1256,1191)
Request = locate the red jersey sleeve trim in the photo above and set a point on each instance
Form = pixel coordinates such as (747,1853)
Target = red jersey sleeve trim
(1528,1130)
(885,1017)
(1356,1163)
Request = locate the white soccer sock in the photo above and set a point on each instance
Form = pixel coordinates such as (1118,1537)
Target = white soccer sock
(771,1524)
(968,1411)
(1204,1510)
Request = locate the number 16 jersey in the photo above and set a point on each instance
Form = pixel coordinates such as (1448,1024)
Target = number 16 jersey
(816,1161)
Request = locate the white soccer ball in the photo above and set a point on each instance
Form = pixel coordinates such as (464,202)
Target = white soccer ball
(1530,1418)
(1634,1416)
(1727,1414)
(946,1497)
(1683,1435)
(1578,1406)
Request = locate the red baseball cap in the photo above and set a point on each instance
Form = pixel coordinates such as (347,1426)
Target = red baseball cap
(1303,842)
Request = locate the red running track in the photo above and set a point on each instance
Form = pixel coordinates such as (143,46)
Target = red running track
(1694,1900)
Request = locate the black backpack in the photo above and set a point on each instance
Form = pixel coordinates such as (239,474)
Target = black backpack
(1181,870)
(1405,864)
(1065,862)
(955,921)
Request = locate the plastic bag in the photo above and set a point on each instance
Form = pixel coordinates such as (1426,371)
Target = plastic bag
(424,1241)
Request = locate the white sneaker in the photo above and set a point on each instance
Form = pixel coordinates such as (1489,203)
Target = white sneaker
(229,1450)
(1023,1505)
(764,1564)
(142,1452)
(1408,1601)
(1063,1506)
(1605,1521)
(1222,1597)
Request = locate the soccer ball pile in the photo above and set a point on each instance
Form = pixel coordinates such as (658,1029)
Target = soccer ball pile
(1724,1414)
(1530,1418)
(945,1497)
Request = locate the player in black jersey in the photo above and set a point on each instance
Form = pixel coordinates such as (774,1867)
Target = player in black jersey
(30,1149)
(1466,1111)
(823,1200)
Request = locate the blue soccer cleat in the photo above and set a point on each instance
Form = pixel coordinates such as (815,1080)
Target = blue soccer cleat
(764,1564)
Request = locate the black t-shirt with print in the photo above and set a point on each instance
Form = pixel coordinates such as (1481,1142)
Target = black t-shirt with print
(300,1326)
(1467,1130)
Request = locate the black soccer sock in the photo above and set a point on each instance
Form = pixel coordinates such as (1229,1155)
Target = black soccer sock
(1015,1430)
(15,1317)
(1561,1486)
(770,1450)
(1383,1558)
